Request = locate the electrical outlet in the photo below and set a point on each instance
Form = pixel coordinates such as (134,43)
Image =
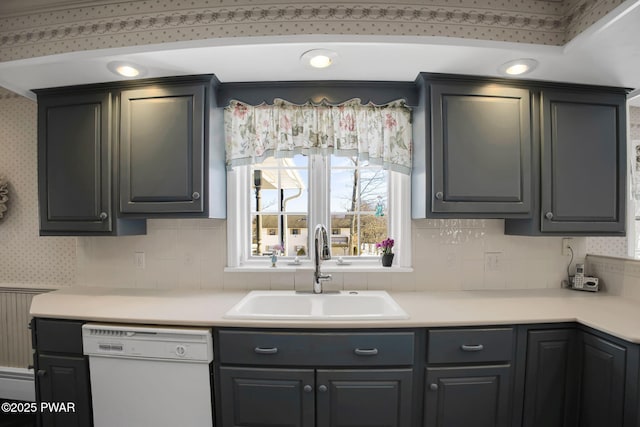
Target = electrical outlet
(139,259)
(492,261)
(566,244)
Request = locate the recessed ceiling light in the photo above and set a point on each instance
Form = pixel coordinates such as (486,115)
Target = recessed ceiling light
(517,67)
(126,69)
(319,58)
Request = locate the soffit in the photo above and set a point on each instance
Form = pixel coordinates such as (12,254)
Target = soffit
(69,42)
(39,27)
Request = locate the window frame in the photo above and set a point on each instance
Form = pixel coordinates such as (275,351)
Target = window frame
(239,257)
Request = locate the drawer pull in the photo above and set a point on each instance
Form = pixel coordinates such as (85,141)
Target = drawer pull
(260,350)
(477,347)
(433,387)
(323,388)
(307,388)
(366,351)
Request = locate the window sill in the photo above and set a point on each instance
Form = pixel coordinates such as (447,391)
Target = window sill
(283,267)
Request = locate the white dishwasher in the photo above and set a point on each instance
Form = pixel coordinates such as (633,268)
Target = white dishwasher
(147,376)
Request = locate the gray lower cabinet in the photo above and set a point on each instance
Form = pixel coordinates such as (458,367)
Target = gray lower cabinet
(551,372)
(577,377)
(62,372)
(323,397)
(267,397)
(480,147)
(603,383)
(468,378)
(364,397)
(162,149)
(324,379)
(467,396)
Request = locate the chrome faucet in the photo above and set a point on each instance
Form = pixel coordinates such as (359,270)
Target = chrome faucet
(322,251)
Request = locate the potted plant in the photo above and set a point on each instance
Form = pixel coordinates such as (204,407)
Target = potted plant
(275,251)
(387,251)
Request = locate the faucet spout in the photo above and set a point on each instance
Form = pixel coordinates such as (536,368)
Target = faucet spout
(322,252)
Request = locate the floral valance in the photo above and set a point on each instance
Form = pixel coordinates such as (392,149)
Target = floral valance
(378,133)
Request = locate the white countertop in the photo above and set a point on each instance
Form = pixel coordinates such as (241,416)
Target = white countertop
(614,315)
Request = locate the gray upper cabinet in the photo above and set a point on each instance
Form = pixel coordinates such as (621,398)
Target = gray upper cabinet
(162,148)
(75,149)
(110,155)
(581,158)
(472,149)
(583,162)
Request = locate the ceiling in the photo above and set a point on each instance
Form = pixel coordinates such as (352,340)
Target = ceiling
(608,53)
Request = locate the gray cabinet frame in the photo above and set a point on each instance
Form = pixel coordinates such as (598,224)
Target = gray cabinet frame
(444,184)
(583,171)
(162,166)
(77,188)
(478,167)
(381,383)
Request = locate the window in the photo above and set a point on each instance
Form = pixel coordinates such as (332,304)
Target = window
(358,199)
(283,206)
(292,167)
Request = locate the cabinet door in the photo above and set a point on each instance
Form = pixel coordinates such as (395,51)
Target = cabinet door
(583,162)
(481,145)
(602,390)
(267,397)
(467,396)
(372,398)
(551,377)
(162,150)
(74,172)
(64,379)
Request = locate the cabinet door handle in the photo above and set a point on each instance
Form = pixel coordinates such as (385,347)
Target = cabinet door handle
(261,350)
(439,195)
(549,215)
(323,388)
(195,195)
(475,347)
(103,216)
(366,351)
(433,387)
(308,388)
(41,373)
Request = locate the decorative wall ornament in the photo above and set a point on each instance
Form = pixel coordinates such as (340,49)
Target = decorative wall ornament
(88,26)
(4,196)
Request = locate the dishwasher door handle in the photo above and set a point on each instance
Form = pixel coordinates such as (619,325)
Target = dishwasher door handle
(263,350)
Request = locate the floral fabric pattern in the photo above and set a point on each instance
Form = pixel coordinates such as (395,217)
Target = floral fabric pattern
(380,134)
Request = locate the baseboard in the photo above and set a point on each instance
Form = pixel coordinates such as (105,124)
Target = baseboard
(17,384)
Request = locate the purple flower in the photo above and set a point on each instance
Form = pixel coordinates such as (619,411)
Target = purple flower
(386,245)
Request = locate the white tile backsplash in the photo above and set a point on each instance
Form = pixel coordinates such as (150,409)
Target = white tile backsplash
(616,276)
(447,255)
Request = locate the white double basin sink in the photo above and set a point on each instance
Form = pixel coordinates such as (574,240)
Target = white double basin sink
(343,305)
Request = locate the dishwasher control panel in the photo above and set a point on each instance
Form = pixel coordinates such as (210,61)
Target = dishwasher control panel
(170,343)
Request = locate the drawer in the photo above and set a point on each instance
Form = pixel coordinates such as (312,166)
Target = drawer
(470,345)
(315,349)
(59,336)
